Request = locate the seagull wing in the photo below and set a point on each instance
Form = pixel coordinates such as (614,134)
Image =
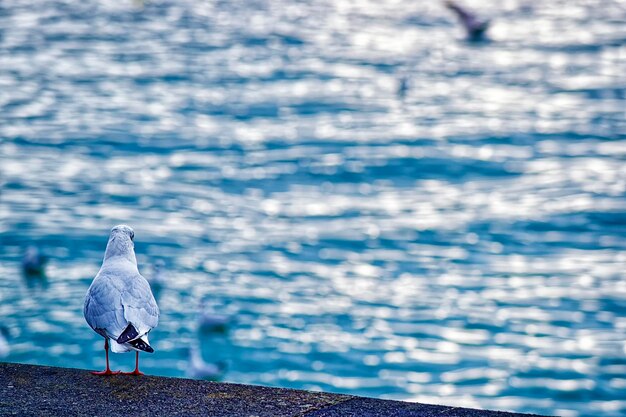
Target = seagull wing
(103,307)
(140,307)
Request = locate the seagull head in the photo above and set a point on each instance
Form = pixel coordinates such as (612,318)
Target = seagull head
(121,243)
(123,230)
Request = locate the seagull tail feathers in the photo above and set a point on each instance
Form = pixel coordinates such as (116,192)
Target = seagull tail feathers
(129,333)
(140,344)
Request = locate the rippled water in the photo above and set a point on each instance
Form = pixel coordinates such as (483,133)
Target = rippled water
(463,245)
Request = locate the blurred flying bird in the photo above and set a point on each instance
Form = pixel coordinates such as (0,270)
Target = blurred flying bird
(197,368)
(119,304)
(34,262)
(475,27)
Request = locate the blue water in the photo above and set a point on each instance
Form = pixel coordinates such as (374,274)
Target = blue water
(462,245)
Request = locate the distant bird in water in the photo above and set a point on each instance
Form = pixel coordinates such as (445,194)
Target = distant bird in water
(403,86)
(210,321)
(119,304)
(475,27)
(34,262)
(197,368)
(157,279)
(5,348)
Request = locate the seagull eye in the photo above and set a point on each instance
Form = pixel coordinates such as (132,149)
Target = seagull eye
(132,235)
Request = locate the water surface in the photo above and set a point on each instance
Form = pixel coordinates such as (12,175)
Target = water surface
(463,245)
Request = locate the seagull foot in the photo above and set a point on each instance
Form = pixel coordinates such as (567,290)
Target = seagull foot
(136,372)
(106,372)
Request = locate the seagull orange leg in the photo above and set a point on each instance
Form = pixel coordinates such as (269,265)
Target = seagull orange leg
(136,371)
(108,370)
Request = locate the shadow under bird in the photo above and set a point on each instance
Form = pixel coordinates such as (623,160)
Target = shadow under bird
(119,304)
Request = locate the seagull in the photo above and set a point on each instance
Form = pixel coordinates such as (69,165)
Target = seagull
(119,305)
(474,26)
(34,262)
(197,368)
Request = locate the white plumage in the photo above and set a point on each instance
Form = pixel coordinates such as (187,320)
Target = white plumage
(119,296)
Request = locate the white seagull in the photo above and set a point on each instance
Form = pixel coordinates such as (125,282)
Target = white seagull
(119,304)
(197,368)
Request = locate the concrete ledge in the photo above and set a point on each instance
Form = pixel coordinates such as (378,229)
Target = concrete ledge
(29,390)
